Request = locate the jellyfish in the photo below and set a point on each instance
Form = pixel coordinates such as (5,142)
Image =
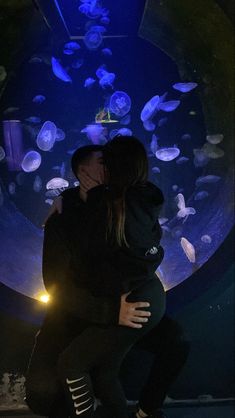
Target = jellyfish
(182,160)
(120,103)
(46,137)
(73,46)
(176,232)
(113,133)
(175,187)
(20,178)
(105,20)
(60,135)
(77,63)
(39,99)
(210,178)
(37,184)
(125,132)
(101,71)
(201,195)
(98,28)
(212,151)
(93,39)
(107,80)
(33,119)
(59,71)
(154,144)
(184,211)
(3,73)
(215,139)
(2,153)
(91,9)
(200,158)
(89,82)
(186,137)
(12,188)
(188,249)
(156,170)
(206,239)
(169,106)
(150,108)
(167,154)
(107,52)
(126,120)
(149,125)
(57,183)
(95,132)
(184,87)
(162,122)
(31,161)
(12,134)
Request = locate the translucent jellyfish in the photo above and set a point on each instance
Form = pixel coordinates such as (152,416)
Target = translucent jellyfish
(93,39)
(182,160)
(92,9)
(175,187)
(2,153)
(12,188)
(156,170)
(184,211)
(120,103)
(150,108)
(98,28)
(200,158)
(206,239)
(105,20)
(188,249)
(39,99)
(113,133)
(162,122)
(184,87)
(149,125)
(95,132)
(74,46)
(154,144)
(57,183)
(126,120)
(3,73)
(59,71)
(31,161)
(177,231)
(215,139)
(169,106)
(101,71)
(46,137)
(210,178)
(167,154)
(33,119)
(37,184)
(186,137)
(212,151)
(60,135)
(68,51)
(107,80)
(76,64)
(107,52)
(89,82)
(201,195)
(125,132)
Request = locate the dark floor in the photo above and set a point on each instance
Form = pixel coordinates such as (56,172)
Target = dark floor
(224,410)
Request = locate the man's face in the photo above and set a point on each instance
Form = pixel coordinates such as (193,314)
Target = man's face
(94,167)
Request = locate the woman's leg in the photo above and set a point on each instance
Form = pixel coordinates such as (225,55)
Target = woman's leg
(105,348)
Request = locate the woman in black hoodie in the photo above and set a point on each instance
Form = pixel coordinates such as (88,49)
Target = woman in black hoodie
(119,250)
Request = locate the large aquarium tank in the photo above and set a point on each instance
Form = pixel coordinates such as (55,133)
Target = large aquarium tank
(85,71)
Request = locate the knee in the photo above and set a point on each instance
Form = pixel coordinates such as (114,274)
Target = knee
(41,392)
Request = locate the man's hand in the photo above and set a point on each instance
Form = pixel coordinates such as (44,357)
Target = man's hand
(55,207)
(87,182)
(130,316)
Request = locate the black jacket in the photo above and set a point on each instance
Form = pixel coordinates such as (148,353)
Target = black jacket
(81,270)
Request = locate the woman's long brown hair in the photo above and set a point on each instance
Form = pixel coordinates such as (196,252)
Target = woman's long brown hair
(127,165)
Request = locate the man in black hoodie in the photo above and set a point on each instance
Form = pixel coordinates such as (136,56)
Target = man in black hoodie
(165,341)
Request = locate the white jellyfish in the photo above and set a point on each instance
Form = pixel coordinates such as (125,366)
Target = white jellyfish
(93,39)
(184,87)
(184,211)
(120,103)
(60,135)
(31,161)
(47,135)
(154,144)
(149,125)
(188,249)
(167,154)
(212,151)
(210,178)
(57,183)
(200,158)
(169,106)
(201,195)
(59,71)
(95,132)
(215,139)
(150,108)
(107,80)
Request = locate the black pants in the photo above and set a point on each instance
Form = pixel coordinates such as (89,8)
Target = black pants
(59,334)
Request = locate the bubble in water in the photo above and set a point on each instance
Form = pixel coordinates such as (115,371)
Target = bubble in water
(31,161)
(46,137)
